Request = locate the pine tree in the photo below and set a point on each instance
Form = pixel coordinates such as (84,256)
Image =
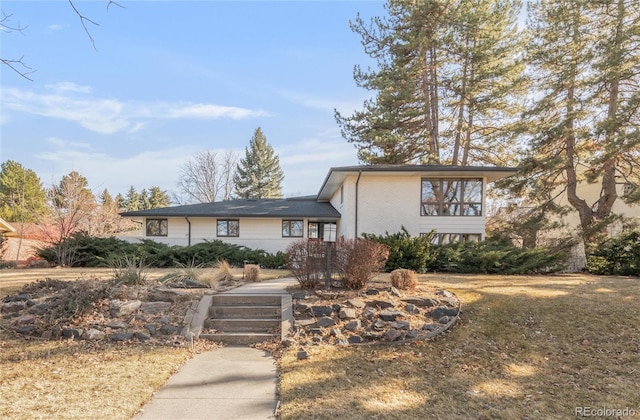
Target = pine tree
(132,200)
(158,198)
(22,197)
(583,127)
(258,175)
(448,82)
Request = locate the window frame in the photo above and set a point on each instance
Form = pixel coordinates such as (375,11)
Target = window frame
(229,233)
(464,201)
(159,227)
(289,223)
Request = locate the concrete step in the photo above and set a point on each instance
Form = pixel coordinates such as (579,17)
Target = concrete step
(245,311)
(239,339)
(245,300)
(244,325)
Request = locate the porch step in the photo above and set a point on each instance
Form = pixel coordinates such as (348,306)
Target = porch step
(242,319)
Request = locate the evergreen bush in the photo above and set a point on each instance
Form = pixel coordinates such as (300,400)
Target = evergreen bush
(405,251)
(619,255)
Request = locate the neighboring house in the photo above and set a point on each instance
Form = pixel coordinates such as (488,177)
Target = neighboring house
(21,242)
(352,200)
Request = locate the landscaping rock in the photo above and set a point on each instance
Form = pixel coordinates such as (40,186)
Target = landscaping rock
(151,328)
(380,304)
(430,327)
(353,325)
(420,302)
(74,333)
(372,292)
(347,313)
(168,295)
(168,329)
(342,342)
(93,334)
(323,310)
(392,335)
(441,311)
(379,325)
(326,321)
(355,339)
(390,314)
(369,313)
(122,336)
(302,354)
(117,325)
(401,325)
(40,309)
(394,291)
(11,307)
(305,322)
(356,303)
(444,320)
(142,337)
(121,308)
(155,307)
(25,320)
(412,309)
(26,329)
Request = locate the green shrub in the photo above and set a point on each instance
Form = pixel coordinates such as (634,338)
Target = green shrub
(405,251)
(619,255)
(489,257)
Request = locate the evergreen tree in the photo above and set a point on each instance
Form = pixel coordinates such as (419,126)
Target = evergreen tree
(448,83)
(583,127)
(158,198)
(22,197)
(258,175)
(144,204)
(132,200)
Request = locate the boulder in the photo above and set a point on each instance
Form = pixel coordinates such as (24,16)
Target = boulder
(352,325)
(390,314)
(321,310)
(392,335)
(347,313)
(121,308)
(93,334)
(441,311)
(155,307)
(326,321)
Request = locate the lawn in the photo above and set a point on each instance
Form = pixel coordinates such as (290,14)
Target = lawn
(525,347)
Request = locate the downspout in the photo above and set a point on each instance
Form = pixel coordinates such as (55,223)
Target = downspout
(189,235)
(356,221)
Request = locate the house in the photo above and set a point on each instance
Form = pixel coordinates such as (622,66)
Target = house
(352,200)
(20,242)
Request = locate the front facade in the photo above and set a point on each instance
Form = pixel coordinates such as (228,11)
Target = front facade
(353,200)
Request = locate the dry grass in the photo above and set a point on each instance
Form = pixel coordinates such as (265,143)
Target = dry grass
(525,347)
(252,272)
(402,279)
(60,379)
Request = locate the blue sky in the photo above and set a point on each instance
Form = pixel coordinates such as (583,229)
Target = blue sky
(171,78)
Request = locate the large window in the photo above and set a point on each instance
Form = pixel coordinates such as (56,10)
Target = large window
(448,238)
(228,228)
(157,227)
(451,197)
(292,228)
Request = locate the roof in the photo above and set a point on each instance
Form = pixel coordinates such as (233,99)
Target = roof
(6,229)
(278,208)
(337,175)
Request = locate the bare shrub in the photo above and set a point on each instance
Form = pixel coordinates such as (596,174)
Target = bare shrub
(357,261)
(252,272)
(306,260)
(402,278)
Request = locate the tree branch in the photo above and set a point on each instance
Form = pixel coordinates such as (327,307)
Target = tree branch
(84,19)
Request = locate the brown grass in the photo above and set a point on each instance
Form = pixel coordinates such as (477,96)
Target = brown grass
(525,347)
(402,278)
(60,379)
(252,272)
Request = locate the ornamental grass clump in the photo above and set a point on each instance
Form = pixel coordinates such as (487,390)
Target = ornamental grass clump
(252,272)
(402,278)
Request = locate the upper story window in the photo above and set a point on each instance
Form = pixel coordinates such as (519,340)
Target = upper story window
(451,197)
(292,228)
(228,228)
(157,227)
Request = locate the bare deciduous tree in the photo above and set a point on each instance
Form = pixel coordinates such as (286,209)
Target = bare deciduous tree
(207,177)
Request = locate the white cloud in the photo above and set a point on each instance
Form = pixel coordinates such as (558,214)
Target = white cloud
(320,103)
(55,27)
(76,103)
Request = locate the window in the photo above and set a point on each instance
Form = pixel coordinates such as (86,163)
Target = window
(157,227)
(449,238)
(228,228)
(292,228)
(313,230)
(451,197)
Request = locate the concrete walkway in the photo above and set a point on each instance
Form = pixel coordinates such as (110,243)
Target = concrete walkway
(225,383)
